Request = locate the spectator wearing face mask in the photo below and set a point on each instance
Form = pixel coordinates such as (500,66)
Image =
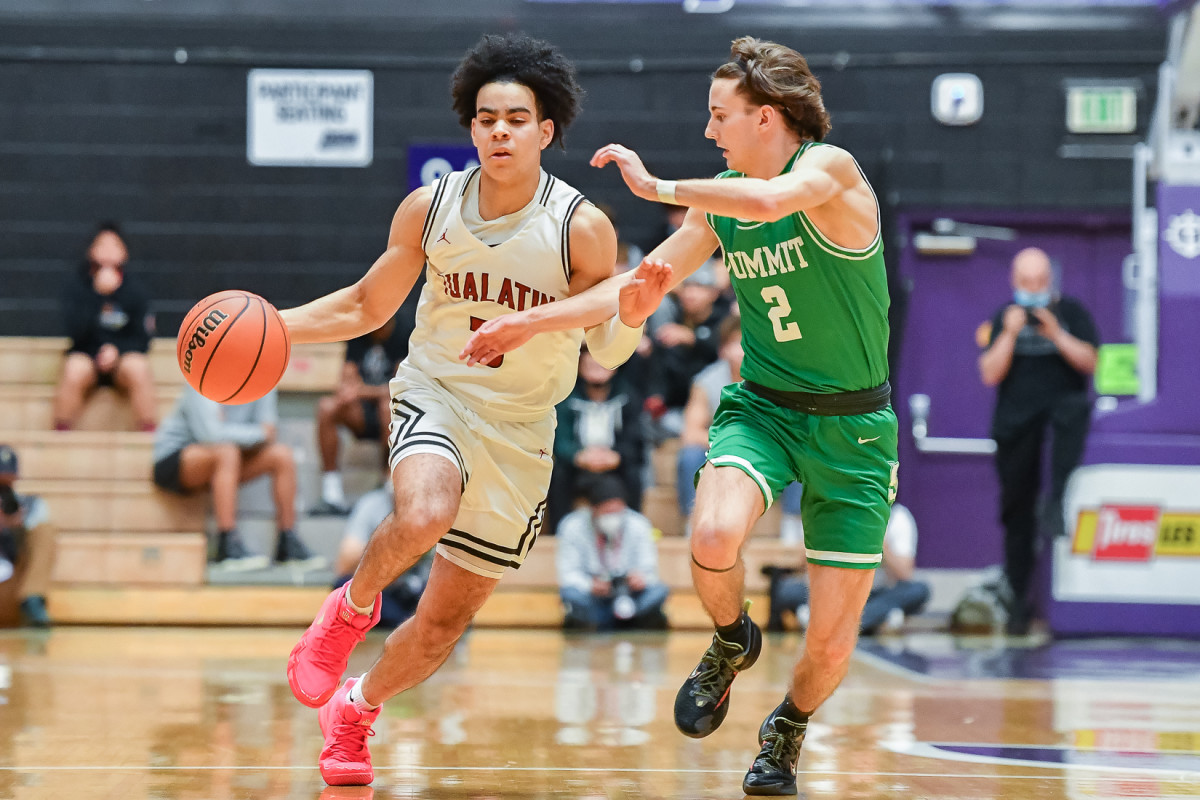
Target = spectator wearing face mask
(107,316)
(607,564)
(1041,351)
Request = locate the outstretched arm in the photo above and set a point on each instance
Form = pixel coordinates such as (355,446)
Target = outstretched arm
(633,295)
(374,298)
(824,175)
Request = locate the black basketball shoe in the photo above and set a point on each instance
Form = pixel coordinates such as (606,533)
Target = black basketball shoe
(774,771)
(703,700)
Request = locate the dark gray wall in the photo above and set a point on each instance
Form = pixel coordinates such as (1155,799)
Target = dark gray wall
(99,121)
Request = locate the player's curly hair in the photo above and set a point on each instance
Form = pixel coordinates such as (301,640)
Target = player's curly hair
(769,74)
(517,58)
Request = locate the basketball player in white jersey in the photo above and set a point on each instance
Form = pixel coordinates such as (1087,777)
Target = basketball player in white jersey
(470,443)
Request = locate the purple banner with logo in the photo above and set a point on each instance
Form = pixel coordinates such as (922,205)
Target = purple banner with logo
(428,162)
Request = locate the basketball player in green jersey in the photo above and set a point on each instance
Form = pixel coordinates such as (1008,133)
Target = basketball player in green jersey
(799,228)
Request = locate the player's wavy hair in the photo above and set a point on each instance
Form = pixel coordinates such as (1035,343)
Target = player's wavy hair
(516,58)
(769,74)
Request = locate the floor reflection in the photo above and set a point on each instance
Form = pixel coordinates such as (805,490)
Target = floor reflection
(207,714)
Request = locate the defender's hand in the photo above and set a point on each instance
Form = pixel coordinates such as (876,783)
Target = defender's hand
(495,338)
(637,178)
(642,295)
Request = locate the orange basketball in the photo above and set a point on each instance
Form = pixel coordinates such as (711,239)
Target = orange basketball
(233,347)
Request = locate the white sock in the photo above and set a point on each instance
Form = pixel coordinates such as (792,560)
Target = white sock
(356,696)
(331,488)
(368,611)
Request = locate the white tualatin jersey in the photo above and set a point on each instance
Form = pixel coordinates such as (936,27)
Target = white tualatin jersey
(469,282)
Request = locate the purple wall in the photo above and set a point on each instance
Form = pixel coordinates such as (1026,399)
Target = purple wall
(954,497)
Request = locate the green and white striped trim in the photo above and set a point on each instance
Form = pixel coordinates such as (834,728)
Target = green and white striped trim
(847,558)
(819,239)
(748,468)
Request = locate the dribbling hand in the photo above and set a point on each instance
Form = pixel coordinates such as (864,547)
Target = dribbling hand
(636,177)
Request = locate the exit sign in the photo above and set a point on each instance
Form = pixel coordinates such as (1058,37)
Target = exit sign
(1101,109)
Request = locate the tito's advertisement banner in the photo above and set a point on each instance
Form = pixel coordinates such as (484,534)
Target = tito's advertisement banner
(1134,535)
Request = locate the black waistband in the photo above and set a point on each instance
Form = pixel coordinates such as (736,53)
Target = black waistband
(838,404)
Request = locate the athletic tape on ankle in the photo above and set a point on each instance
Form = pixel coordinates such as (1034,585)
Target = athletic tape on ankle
(710,569)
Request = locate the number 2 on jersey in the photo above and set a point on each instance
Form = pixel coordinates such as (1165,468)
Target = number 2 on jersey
(775,296)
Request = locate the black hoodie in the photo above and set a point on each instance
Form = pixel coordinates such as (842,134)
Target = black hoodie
(93,320)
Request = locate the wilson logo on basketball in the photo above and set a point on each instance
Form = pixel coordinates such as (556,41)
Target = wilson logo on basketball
(1126,533)
(203,330)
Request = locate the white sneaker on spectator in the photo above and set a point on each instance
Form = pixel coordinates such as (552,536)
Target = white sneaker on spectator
(791,530)
(893,622)
(803,613)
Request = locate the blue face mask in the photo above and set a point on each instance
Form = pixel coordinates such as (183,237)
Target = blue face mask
(1031,299)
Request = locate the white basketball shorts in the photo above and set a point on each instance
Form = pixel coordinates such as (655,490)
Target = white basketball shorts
(505,469)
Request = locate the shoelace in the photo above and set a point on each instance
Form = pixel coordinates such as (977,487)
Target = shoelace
(779,752)
(350,741)
(713,676)
(329,658)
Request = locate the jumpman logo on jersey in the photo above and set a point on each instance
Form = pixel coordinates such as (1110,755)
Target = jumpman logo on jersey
(443,237)
(542,452)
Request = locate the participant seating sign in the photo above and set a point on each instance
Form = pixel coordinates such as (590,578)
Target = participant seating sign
(309,118)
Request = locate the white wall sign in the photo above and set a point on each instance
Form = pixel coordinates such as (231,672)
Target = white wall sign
(309,118)
(956,98)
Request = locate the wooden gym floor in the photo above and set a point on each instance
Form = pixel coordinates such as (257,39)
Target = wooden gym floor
(206,713)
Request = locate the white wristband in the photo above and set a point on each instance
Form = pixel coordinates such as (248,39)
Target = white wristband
(666,192)
(611,343)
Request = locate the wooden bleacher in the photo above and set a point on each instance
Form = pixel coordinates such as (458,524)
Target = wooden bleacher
(131,554)
(117,532)
(527,597)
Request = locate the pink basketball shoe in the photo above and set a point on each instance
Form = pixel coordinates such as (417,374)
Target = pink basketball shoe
(319,659)
(345,759)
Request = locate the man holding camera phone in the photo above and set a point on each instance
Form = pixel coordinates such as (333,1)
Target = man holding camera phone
(26,543)
(607,564)
(1041,350)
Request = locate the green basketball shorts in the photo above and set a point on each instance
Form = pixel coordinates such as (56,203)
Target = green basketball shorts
(847,464)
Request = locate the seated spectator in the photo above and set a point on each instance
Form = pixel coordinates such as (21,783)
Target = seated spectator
(203,444)
(362,404)
(607,564)
(684,333)
(598,433)
(26,543)
(107,317)
(895,593)
(400,598)
(698,416)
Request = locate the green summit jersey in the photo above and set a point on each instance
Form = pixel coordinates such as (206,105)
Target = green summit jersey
(814,315)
